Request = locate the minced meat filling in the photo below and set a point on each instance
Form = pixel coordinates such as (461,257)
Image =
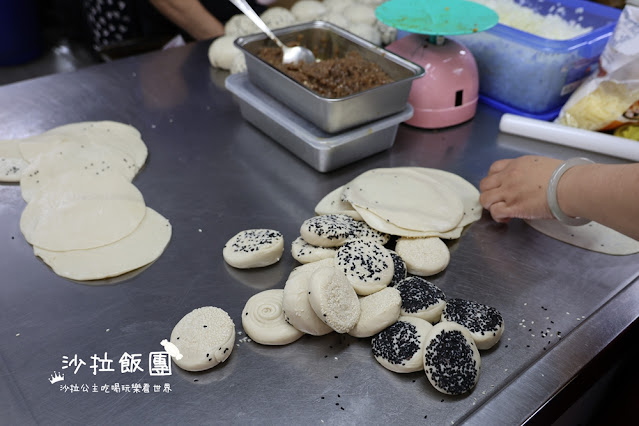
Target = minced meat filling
(331,78)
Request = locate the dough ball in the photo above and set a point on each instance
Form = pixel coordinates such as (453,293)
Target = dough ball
(366,31)
(421,299)
(240,25)
(222,52)
(333,300)
(308,10)
(239,64)
(484,323)
(254,248)
(423,256)
(399,348)
(336,18)
(360,13)
(386,32)
(337,6)
(278,17)
(204,337)
(451,359)
(263,319)
(304,252)
(378,311)
(366,265)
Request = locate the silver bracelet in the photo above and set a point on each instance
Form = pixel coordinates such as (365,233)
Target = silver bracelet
(551,194)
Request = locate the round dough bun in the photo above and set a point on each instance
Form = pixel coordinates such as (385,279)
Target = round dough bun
(333,300)
(78,210)
(308,10)
(421,299)
(366,265)
(399,269)
(378,311)
(304,252)
(451,359)
(278,17)
(263,319)
(254,248)
(296,304)
(205,338)
(423,256)
(484,323)
(399,348)
(330,230)
(140,248)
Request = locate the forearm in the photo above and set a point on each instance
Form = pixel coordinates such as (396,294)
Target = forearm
(604,193)
(191,16)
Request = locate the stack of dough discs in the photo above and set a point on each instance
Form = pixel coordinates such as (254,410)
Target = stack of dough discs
(451,359)
(423,256)
(399,348)
(263,319)
(378,311)
(333,300)
(421,299)
(391,195)
(254,248)
(204,337)
(484,323)
(366,265)
(78,210)
(331,230)
(296,304)
(121,137)
(141,247)
(304,252)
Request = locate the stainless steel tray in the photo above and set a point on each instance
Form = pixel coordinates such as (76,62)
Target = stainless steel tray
(321,150)
(328,41)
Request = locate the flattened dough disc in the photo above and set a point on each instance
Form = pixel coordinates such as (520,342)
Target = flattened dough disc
(77,211)
(11,161)
(592,236)
(141,247)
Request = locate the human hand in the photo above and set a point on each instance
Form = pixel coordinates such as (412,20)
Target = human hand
(516,188)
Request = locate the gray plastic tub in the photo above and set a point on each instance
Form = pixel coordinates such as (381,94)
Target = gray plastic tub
(327,41)
(322,151)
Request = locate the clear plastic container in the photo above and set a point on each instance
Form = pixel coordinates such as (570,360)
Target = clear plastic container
(536,75)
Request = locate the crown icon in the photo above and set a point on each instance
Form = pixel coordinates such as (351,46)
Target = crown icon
(56,377)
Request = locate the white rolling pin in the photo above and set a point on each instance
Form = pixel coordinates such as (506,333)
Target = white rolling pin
(569,136)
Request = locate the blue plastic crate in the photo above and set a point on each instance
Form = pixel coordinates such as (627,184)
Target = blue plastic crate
(535,75)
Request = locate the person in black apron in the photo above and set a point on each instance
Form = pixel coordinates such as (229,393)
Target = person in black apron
(114,22)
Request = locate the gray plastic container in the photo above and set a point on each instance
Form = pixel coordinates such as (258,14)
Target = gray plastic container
(322,151)
(327,41)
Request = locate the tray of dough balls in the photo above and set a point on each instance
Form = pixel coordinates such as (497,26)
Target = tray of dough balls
(321,150)
(365,261)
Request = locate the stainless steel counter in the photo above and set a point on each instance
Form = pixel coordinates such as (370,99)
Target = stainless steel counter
(212,174)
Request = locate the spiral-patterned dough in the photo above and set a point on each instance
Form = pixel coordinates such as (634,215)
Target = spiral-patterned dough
(263,319)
